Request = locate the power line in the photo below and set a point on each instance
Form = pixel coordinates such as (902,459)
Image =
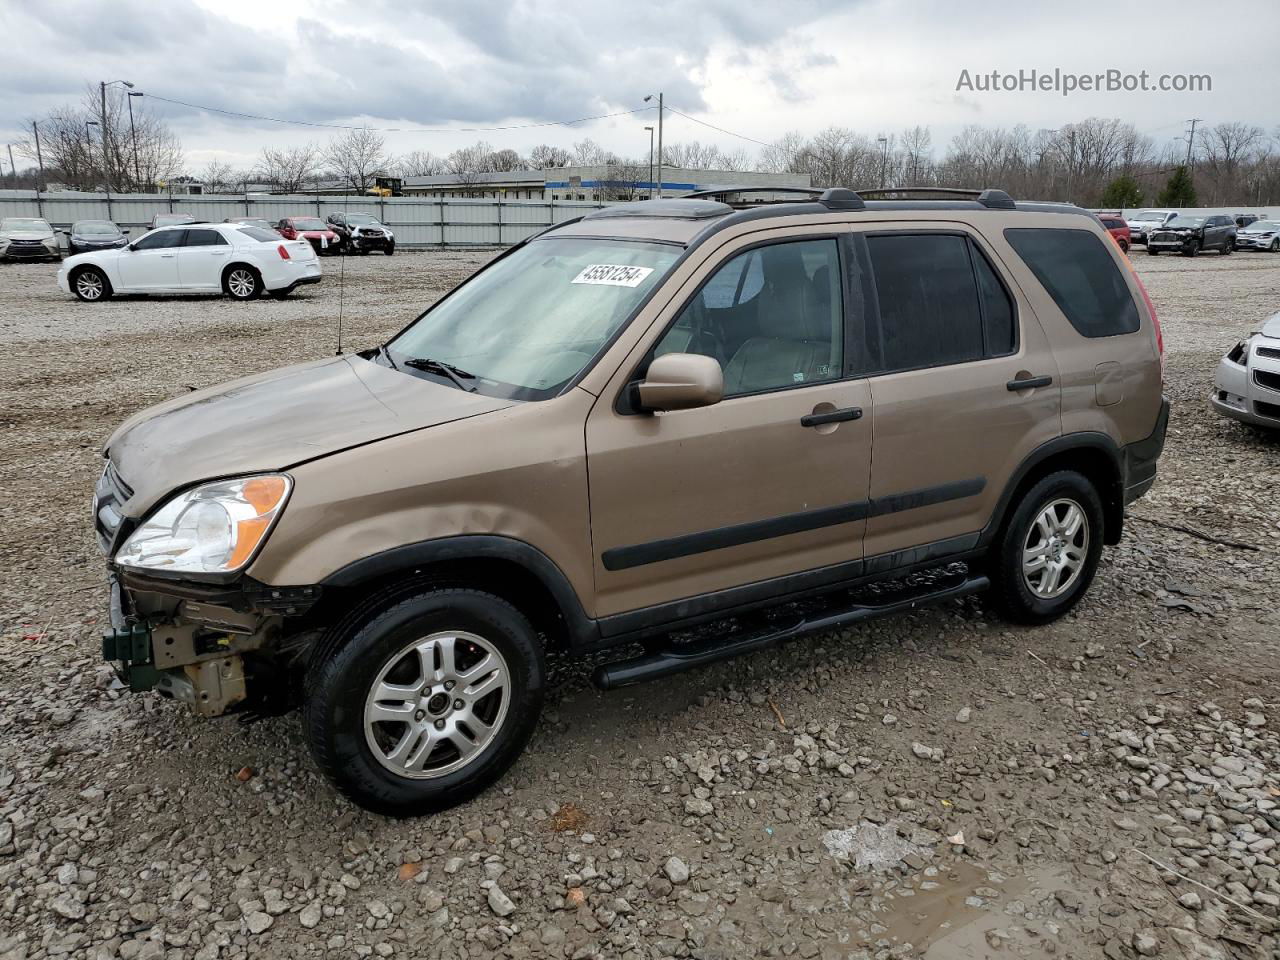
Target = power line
(348,126)
(740,136)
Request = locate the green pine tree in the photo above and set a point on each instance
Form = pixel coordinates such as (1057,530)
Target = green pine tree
(1179,191)
(1122,193)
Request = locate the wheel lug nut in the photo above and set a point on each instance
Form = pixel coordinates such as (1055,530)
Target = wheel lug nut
(419,715)
(448,684)
(458,704)
(439,724)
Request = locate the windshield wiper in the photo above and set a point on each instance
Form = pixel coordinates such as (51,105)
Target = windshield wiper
(448,369)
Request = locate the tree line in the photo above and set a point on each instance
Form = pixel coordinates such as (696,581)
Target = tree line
(1094,162)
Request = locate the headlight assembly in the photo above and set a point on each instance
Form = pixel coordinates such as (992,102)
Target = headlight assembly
(213,528)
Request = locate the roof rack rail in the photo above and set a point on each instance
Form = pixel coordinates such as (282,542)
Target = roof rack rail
(994,199)
(833,198)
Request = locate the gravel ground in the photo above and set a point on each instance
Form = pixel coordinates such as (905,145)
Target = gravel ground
(940,785)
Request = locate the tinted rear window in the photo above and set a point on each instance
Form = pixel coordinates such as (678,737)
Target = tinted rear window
(1077,271)
(257,233)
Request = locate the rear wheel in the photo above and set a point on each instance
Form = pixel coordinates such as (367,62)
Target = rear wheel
(1124,246)
(241,282)
(427,704)
(1047,552)
(1154,253)
(91,285)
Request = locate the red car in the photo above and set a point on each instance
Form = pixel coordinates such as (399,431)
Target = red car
(1118,229)
(312,229)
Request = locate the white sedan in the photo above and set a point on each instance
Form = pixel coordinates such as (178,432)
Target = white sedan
(239,261)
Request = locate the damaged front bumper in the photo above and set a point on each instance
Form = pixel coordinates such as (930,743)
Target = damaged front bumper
(197,644)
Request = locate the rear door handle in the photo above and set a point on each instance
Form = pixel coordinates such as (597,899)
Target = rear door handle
(831,416)
(1029,383)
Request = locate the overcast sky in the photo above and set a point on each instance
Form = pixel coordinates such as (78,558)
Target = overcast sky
(757,69)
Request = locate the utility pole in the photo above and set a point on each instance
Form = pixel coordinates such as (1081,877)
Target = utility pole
(13,171)
(884,160)
(650,129)
(1191,139)
(106,176)
(646,100)
(35,129)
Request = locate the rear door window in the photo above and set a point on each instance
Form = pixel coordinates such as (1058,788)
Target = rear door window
(204,238)
(1078,272)
(929,308)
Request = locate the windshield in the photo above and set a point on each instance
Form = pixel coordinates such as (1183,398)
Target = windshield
(1150,215)
(308,223)
(1185,222)
(25,223)
(95,228)
(1266,226)
(169,219)
(531,322)
(361,219)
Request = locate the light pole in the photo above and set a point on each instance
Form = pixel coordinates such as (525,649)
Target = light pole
(133,135)
(884,159)
(102,90)
(646,100)
(650,129)
(88,146)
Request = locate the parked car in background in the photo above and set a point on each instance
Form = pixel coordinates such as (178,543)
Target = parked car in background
(1142,222)
(170,220)
(312,229)
(87,235)
(1189,235)
(240,262)
(28,238)
(1247,386)
(1118,229)
(251,222)
(1259,235)
(362,232)
(1244,219)
(358,533)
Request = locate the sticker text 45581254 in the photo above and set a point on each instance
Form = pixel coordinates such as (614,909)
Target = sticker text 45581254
(613,275)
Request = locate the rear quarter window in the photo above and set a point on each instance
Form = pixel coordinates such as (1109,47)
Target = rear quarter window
(1078,272)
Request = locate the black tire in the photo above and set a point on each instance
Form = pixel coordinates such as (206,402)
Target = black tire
(1011,594)
(90,275)
(1192,250)
(1275,245)
(1227,248)
(241,282)
(1124,247)
(343,672)
(1154,253)
(390,250)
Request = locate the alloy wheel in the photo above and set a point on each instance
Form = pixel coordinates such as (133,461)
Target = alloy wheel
(241,283)
(1055,549)
(436,705)
(89,285)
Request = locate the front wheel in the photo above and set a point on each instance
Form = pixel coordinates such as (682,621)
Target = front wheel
(91,285)
(1192,250)
(1154,253)
(391,249)
(1228,247)
(427,704)
(242,283)
(1048,550)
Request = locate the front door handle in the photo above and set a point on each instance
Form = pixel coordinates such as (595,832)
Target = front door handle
(167,256)
(831,416)
(1029,383)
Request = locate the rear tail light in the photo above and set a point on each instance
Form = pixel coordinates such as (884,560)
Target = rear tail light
(284,254)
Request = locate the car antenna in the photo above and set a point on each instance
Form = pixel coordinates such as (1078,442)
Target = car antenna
(342,273)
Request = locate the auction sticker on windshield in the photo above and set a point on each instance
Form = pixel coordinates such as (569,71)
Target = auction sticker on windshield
(614,275)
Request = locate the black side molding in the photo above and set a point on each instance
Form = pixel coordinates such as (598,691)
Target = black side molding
(718,538)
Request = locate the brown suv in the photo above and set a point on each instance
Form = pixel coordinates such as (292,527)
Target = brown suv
(673,426)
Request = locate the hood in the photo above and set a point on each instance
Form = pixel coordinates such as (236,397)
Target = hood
(316,233)
(276,420)
(1271,328)
(1257,230)
(28,235)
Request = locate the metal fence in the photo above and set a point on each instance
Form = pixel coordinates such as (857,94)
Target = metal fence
(416,221)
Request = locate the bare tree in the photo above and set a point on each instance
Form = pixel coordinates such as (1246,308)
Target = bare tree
(288,170)
(544,155)
(622,180)
(420,163)
(588,153)
(917,160)
(219,177)
(358,156)
(117,155)
(1224,150)
(504,160)
(781,155)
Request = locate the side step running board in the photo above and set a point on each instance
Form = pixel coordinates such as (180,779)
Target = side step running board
(664,663)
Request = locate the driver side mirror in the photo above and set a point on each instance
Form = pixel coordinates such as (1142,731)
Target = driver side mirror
(681,381)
